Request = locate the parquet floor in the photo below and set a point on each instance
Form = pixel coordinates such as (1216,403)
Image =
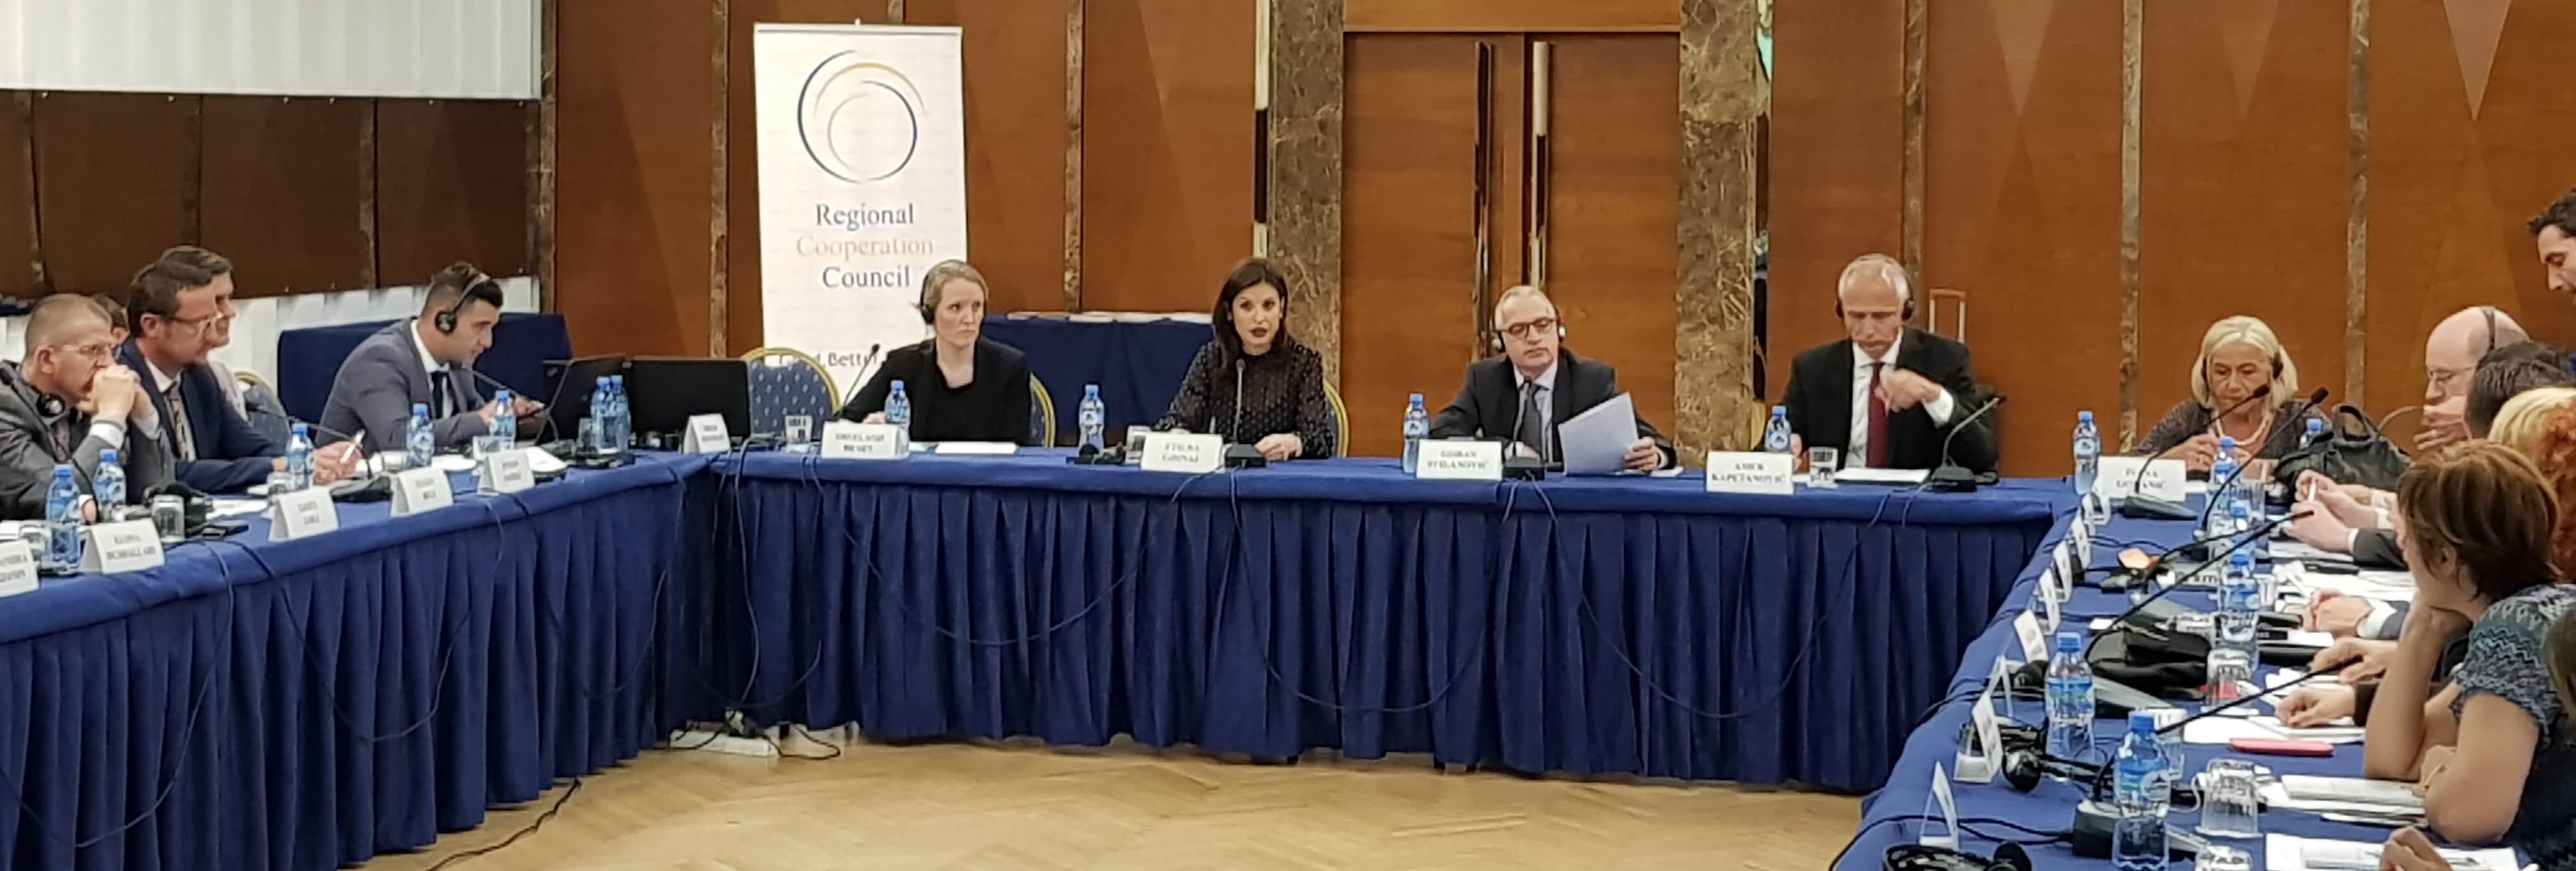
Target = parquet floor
(1030,807)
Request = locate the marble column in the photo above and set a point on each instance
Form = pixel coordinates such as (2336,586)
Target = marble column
(1722,99)
(1305,181)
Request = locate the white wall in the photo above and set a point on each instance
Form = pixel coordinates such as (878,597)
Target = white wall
(458,49)
(254,347)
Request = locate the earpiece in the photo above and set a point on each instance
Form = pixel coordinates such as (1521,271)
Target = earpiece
(50,406)
(1918,857)
(446,320)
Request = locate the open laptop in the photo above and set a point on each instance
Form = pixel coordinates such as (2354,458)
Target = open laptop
(569,384)
(664,392)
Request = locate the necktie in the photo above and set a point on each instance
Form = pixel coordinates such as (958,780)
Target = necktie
(63,435)
(1880,452)
(1531,429)
(438,395)
(181,438)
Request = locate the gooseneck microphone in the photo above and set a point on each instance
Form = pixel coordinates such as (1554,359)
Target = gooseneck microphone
(2259,392)
(1951,477)
(2243,539)
(2221,487)
(1238,453)
(859,381)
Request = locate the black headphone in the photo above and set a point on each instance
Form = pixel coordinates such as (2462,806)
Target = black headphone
(50,406)
(2009,856)
(2023,769)
(2490,312)
(446,320)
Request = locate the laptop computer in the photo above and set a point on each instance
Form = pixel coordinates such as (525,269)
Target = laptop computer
(568,387)
(664,392)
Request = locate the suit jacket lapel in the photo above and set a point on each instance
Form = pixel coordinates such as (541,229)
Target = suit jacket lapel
(1837,378)
(1560,395)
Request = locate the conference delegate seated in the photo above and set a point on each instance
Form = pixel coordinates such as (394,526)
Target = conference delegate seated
(1255,384)
(179,305)
(1887,395)
(2491,753)
(68,402)
(426,360)
(1536,383)
(961,386)
(2244,386)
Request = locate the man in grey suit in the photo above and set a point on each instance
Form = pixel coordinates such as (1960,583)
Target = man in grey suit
(427,360)
(67,402)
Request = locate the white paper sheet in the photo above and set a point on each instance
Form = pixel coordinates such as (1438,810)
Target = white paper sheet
(1901,477)
(2292,853)
(976,449)
(1596,442)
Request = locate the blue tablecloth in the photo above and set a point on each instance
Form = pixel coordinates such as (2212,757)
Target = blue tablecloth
(309,704)
(307,359)
(1137,365)
(1893,815)
(1600,625)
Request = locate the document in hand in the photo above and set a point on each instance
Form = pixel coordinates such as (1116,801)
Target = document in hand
(1596,442)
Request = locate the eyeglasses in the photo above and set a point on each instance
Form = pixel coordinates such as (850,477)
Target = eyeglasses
(2445,379)
(100,349)
(1531,329)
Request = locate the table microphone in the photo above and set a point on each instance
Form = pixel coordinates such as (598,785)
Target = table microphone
(2312,401)
(859,381)
(1237,454)
(2264,528)
(2141,506)
(1952,477)
(2232,704)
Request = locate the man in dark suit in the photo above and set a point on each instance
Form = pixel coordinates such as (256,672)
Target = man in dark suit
(427,360)
(1888,396)
(1523,394)
(68,403)
(178,306)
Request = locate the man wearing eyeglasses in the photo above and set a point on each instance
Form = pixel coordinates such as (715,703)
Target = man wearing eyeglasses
(1535,385)
(67,402)
(181,308)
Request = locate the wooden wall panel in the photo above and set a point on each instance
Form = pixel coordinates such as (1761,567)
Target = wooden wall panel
(115,184)
(2021,210)
(18,276)
(451,184)
(632,250)
(2244,184)
(1015,143)
(1167,133)
(1408,228)
(742,152)
(284,192)
(1513,16)
(2472,111)
(1837,142)
(1612,254)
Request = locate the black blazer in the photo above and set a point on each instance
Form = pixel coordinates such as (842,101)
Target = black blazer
(1489,403)
(231,456)
(1820,403)
(995,408)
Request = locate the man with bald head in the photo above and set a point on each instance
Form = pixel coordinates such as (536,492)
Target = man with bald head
(1888,395)
(67,401)
(1536,384)
(2451,364)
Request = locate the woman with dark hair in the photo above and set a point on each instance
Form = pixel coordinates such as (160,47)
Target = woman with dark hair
(2477,524)
(1255,384)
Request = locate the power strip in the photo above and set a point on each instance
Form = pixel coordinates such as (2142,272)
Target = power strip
(710,740)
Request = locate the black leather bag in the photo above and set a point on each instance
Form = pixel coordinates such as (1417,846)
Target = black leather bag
(2353,452)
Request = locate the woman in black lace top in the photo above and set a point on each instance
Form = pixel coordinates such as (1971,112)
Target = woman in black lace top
(2239,356)
(1281,382)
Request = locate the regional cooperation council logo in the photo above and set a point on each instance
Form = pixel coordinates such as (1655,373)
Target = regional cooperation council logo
(860,120)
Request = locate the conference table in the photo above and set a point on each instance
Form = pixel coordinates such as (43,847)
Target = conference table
(308,704)
(1895,813)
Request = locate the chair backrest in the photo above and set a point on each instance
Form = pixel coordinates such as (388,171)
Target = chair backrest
(1041,414)
(785,382)
(1341,422)
(260,407)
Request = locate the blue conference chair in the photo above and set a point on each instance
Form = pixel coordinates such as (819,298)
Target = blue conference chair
(1041,414)
(786,382)
(259,404)
(1341,422)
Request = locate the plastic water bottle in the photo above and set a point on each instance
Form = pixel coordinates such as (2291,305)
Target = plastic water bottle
(2240,606)
(2140,794)
(109,487)
(898,411)
(1775,435)
(1093,416)
(2316,434)
(2222,485)
(619,430)
(2088,453)
(299,457)
(2070,699)
(2258,541)
(1417,427)
(505,425)
(62,523)
(602,410)
(420,446)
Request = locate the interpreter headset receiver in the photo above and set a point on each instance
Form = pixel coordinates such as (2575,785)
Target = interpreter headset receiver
(51,407)
(1920,857)
(2490,312)
(446,320)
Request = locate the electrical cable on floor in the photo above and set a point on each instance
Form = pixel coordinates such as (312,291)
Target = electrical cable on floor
(530,829)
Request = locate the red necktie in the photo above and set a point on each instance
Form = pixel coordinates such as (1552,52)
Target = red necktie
(1879,449)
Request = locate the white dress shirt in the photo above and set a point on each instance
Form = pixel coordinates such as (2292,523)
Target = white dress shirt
(1856,455)
(431,366)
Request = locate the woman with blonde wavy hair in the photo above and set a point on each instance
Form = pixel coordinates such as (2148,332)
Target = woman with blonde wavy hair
(2239,358)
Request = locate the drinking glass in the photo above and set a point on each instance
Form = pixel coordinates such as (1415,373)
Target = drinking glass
(2229,807)
(1821,465)
(170,518)
(2223,858)
(799,427)
(485,446)
(2228,672)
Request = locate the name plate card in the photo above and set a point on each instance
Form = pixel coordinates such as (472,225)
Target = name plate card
(1189,453)
(419,490)
(843,440)
(1760,474)
(2120,478)
(707,435)
(2034,640)
(17,567)
(303,514)
(1459,461)
(504,472)
(117,548)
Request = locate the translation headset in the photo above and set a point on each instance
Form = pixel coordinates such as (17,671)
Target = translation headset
(50,406)
(2009,856)
(2490,312)
(446,320)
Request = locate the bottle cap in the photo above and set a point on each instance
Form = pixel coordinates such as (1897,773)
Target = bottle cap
(107,456)
(2084,416)
(2142,722)
(2069,642)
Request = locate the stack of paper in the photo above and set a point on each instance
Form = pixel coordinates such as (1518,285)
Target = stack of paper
(2292,853)
(2343,795)
(2222,730)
